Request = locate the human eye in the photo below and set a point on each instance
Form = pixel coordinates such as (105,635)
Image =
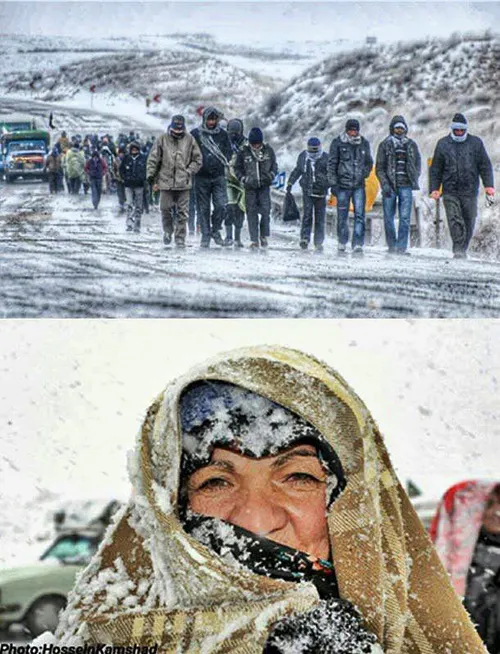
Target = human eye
(303,479)
(213,484)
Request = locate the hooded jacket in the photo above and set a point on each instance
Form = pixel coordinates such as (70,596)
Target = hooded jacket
(256,173)
(150,582)
(386,160)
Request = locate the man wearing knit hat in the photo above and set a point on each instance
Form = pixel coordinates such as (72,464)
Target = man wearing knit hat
(312,171)
(398,169)
(256,169)
(349,164)
(459,160)
(174,158)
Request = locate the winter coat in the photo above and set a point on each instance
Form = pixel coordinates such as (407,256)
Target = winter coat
(254,172)
(96,168)
(172,162)
(116,168)
(133,170)
(53,163)
(458,166)
(349,164)
(151,582)
(314,181)
(385,167)
(482,596)
(75,163)
(216,152)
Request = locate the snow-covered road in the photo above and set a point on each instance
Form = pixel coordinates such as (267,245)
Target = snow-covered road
(60,258)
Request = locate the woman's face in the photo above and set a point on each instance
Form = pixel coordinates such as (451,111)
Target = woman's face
(491,517)
(280,497)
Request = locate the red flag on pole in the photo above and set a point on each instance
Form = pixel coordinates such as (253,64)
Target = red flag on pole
(92,88)
(157,97)
(199,110)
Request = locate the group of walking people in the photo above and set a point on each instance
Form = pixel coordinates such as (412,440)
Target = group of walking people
(220,175)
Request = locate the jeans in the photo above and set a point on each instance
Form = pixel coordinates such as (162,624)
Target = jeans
(313,206)
(96,190)
(214,189)
(135,206)
(344,196)
(258,201)
(403,199)
(461,213)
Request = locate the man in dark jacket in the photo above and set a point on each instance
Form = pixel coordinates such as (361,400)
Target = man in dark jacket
(349,164)
(256,168)
(459,160)
(312,171)
(96,168)
(211,178)
(133,173)
(398,170)
(482,594)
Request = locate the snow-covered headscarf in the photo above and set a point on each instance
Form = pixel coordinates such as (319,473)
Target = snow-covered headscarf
(151,582)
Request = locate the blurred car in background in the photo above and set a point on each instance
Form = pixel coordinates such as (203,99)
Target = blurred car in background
(33,595)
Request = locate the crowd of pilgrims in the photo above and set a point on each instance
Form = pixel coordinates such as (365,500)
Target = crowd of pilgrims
(216,175)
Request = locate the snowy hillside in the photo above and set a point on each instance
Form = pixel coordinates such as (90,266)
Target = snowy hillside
(427,81)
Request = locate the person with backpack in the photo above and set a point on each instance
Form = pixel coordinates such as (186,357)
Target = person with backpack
(75,168)
(312,171)
(53,168)
(133,173)
(256,168)
(96,168)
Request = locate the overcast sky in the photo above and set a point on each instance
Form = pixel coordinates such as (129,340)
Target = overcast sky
(246,22)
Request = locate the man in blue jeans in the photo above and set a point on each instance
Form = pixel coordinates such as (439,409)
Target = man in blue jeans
(398,170)
(349,164)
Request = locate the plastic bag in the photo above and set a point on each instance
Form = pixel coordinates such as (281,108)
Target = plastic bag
(290,209)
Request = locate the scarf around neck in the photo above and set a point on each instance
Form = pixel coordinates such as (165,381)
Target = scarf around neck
(353,140)
(261,555)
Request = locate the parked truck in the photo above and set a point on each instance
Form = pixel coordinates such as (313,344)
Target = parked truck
(24,153)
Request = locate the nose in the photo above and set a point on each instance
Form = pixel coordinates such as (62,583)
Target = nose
(258,512)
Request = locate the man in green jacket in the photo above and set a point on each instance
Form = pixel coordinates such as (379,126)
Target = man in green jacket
(174,158)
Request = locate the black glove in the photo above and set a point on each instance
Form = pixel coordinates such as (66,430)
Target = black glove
(387,193)
(288,188)
(331,627)
(333,191)
(150,180)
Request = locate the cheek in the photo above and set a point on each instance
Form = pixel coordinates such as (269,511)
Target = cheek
(308,515)
(213,506)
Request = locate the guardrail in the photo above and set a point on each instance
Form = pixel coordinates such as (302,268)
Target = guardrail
(374,233)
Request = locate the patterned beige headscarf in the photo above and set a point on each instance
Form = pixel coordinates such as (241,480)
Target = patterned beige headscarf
(152,583)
